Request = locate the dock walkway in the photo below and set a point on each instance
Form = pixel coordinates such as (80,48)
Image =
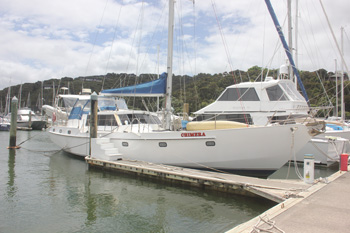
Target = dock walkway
(274,190)
(323,208)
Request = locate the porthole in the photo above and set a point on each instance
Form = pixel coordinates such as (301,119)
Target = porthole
(60,131)
(163,144)
(126,144)
(210,143)
(53,130)
(69,132)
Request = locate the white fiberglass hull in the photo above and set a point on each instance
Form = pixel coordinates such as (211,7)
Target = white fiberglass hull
(325,151)
(261,149)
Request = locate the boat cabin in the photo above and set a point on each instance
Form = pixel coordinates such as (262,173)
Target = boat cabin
(257,103)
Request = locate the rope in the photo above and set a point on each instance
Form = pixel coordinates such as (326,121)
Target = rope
(293,155)
(28,139)
(44,152)
(270,228)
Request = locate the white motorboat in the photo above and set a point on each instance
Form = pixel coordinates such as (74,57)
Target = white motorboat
(4,124)
(26,118)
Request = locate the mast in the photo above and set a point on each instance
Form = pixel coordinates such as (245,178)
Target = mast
(286,49)
(53,94)
(28,100)
(169,65)
(342,76)
(296,36)
(336,89)
(20,97)
(290,36)
(42,98)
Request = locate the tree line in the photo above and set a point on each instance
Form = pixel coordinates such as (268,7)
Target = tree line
(197,91)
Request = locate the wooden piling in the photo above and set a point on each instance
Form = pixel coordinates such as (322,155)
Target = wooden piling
(93,118)
(30,119)
(13,127)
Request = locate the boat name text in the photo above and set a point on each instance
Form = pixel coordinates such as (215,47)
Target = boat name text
(193,134)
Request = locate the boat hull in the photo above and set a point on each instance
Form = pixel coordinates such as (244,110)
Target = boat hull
(4,127)
(326,151)
(259,149)
(35,125)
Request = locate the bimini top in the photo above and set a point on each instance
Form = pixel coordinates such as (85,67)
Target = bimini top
(150,89)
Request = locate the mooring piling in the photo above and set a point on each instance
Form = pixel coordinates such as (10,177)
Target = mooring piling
(93,118)
(13,127)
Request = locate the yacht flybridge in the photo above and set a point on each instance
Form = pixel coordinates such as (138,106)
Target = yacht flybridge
(258,103)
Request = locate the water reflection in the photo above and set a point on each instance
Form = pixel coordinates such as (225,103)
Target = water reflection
(123,203)
(11,186)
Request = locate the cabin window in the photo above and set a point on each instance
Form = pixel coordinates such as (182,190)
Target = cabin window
(289,88)
(104,120)
(125,144)
(138,118)
(210,143)
(282,120)
(69,132)
(163,144)
(243,118)
(239,94)
(107,120)
(276,93)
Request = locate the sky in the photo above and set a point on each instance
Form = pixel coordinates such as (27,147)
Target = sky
(41,40)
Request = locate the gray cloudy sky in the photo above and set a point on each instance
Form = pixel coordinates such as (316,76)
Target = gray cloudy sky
(43,39)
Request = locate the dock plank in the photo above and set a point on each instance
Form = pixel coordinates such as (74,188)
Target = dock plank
(274,190)
(324,207)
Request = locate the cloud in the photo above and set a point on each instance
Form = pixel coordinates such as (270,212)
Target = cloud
(51,39)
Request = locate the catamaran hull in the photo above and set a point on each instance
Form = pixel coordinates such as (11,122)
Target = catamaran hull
(260,149)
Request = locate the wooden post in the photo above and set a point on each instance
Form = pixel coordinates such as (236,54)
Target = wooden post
(30,119)
(13,128)
(93,117)
(186,111)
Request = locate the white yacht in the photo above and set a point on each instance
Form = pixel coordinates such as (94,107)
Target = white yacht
(26,118)
(258,103)
(223,145)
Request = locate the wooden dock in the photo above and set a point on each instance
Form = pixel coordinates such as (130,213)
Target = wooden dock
(324,207)
(274,190)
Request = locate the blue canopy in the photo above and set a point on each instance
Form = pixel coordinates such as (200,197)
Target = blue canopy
(334,127)
(150,89)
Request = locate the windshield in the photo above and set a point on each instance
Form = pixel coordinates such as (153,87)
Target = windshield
(239,94)
(291,91)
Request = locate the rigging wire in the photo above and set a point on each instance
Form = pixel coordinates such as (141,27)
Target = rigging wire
(228,57)
(110,51)
(95,40)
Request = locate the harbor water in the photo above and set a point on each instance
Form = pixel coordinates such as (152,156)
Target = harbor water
(43,189)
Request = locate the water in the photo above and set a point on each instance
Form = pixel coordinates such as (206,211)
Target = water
(45,192)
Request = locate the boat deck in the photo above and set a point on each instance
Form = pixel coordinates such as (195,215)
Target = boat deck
(274,190)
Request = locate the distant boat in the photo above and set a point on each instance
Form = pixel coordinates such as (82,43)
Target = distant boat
(26,118)
(4,124)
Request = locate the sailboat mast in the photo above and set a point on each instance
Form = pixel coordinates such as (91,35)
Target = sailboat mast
(342,76)
(290,37)
(336,90)
(20,96)
(296,35)
(169,65)
(285,46)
